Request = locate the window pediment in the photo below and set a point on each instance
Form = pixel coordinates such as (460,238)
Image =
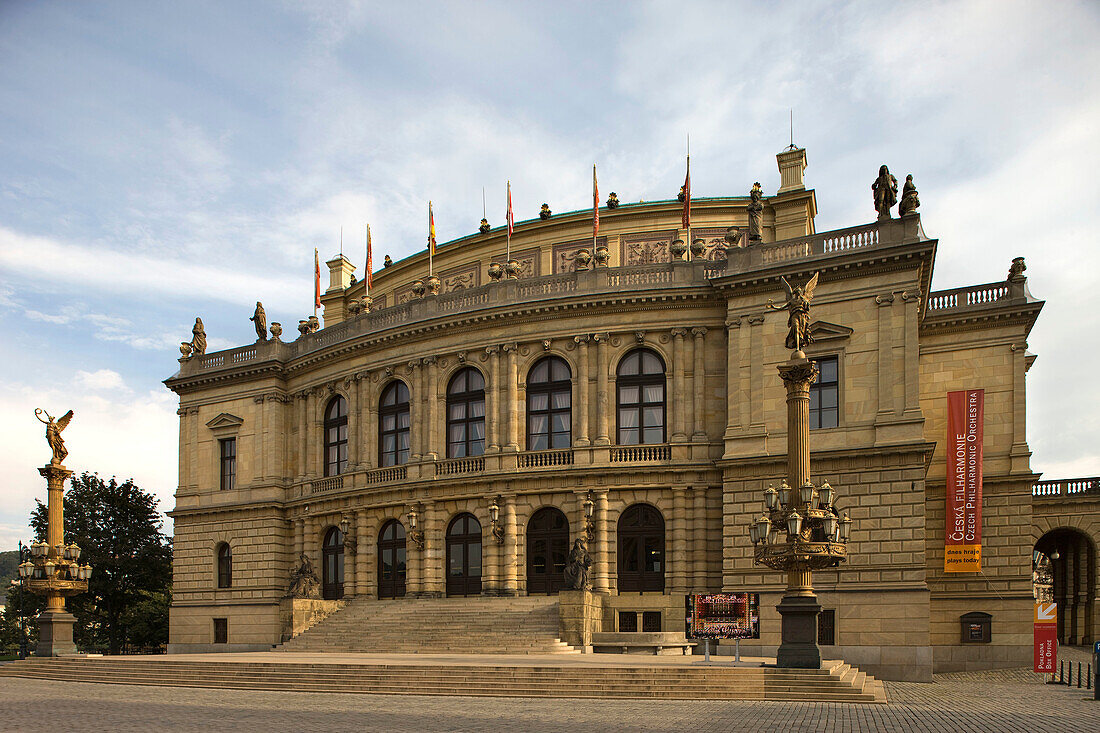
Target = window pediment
(225,420)
(823,331)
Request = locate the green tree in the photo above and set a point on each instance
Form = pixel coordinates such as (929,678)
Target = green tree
(118,529)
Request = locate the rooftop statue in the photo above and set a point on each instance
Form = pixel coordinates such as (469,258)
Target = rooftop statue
(544,212)
(387,262)
(197,345)
(259,319)
(798,312)
(909,200)
(885,190)
(756,212)
(53,433)
(613,201)
(484,228)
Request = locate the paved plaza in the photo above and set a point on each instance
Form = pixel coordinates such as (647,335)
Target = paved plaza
(1010,700)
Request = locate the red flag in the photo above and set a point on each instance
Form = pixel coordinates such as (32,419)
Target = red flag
(509,217)
(370,266)
(316,280)
(595,204)
(686,219)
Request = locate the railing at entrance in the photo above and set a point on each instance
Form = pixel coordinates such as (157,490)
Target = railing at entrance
(1069,487)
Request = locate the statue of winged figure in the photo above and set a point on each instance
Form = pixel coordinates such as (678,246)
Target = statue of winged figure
(53,433)
(798,312)
(259,318)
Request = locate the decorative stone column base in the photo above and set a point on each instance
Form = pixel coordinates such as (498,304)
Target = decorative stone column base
(55,634)
(799,633)
(580,614)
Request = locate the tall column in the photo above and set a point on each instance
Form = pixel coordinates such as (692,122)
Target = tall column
(798,375)
(492,399)
(510,556)
(912,351)
(303,410)
(369,409)
(353,422)
(434,551)
(280,469)
(313,428)
(351,556)
(55,624)
(679,412)
(259,448)
(193,453)
(299,538)
(311,543)
(678,558)
(416,409)
(603,539)
(885,353)
(699,540)
(582,391)
(184,446)
(364,556)
(699,386)
(512,387)
(431,448)
(602,396)
(733,378)
(754,391)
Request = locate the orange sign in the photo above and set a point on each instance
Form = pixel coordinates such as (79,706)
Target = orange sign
(965,433)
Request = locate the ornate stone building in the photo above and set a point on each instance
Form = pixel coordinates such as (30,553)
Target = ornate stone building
(627,380)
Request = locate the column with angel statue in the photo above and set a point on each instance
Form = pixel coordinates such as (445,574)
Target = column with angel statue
(53,433)
(798,313)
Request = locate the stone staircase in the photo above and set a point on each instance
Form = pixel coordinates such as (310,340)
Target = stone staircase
(525,625)
(540,678)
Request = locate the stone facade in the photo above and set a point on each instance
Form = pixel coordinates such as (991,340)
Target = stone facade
(899,350)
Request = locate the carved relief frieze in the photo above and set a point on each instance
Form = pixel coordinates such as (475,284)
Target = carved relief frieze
(716,248)
(405,295)
(459,278)
(646,248)
(528,261)
(565,253)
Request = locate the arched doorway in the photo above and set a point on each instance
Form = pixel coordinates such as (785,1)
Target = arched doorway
(1064,571)
(641,534)
(464,556)
(391,560)
(332,565)
(547,551)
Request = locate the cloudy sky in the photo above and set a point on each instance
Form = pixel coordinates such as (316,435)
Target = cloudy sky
(162,160)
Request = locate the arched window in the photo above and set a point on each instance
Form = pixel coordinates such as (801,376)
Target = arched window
(641,398)
(641,533)
(547,551)
(466,414)
(225,566)
(336,436)
(549,405)
(332,565)
(393,425)
(464,556)
(391,560)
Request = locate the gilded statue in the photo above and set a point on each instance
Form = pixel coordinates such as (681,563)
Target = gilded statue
(303,580)
(576,570)
(885,190)
(798,312)
(259,319)
(53,433)
(756,212)
(909,200)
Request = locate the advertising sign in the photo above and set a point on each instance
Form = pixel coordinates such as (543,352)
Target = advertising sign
(965,432)
(723,616)
(1046,637)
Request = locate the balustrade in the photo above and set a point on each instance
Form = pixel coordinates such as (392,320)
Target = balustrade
(1067,488)
(640,453)
(539,459)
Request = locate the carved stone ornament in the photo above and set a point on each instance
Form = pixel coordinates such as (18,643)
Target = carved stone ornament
(613,201)
(496,271)
(511,269)
(418,288)
(546,344)
(461,356)
(366,303)
(303,327)
(484,228)
(276,330)
(460,281)
(678,249)
(1016,270)
(647,252)
(698,248)
(910,202)
(544,212)
(639,336)
(186,349)
(433,285)
(885,192)
(259,320)
(602,256)
(354,307)
(735,237)
(583,260)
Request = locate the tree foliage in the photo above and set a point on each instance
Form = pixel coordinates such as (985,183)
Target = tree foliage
(118,530)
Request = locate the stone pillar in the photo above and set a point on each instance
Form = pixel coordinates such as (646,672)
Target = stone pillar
(510,555)
(512,401)
(679,410)
(353,423)
(733,379)
(364,557)
(417,418)
(368,423)
(55,624)
(492,400)
(184,446)
(303,409)
(699,540)
(912,352)
(699,387)
(312,545)
(193,453)
(754,390)
(678,557)
(314,427)
(299,539)
(798,374)
(435,551)
(280,468)
(581,439)
(605,578)
(602,396)
(885,353)
(431,429)
(351,556)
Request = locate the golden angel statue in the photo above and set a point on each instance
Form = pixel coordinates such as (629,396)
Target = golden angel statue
(53,433)
(798,312)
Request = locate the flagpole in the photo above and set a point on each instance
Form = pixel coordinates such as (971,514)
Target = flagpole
(688,193)
(508,254)
(368,274)
(595,209)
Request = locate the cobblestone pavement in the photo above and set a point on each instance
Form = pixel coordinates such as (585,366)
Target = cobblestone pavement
(1009,700)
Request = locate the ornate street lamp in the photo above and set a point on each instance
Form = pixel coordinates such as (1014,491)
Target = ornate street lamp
(816,536)
(494,519)
(415,537)
(589,507)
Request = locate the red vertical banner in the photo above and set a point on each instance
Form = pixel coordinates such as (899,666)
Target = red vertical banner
(1046,637)
(965,433)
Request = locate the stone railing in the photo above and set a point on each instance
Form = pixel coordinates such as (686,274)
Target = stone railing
(332,483)
(456,466)
(640,275)
(1067,488)
(825,243)
(640,453)
(386,475)
(973,296)
(543,458)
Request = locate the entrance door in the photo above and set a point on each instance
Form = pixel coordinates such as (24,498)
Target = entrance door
(641,549)
(464,556)
(547,551)
(332,565)
(391,560)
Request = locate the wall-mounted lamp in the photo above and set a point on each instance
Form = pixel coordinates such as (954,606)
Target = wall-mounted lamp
(494,516)
(416,537)
(589,507)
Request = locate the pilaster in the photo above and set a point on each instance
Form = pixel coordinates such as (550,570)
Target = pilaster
(492,400)
(699,386)
(582,392)
(602,397)
(679,424)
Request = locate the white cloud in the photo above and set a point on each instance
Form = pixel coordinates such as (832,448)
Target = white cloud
(101,379)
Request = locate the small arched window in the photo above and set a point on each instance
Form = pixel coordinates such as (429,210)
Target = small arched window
(466,414)
(549,405)
(225,566)
(393,425)
(336,436)
(641,398)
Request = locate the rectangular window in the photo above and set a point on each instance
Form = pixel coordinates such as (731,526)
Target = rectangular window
(221,631)
(651,621)
(628,621)
(824,395)
(826,627)
(228,450)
